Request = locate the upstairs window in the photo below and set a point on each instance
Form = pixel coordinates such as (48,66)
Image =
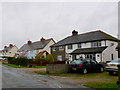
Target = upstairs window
(96,44)
(53,49)
(69,47)
(79,45)
(61,48)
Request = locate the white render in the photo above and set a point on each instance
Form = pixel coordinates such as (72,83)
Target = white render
(100,57)
(33,53)
(106,55)
(47,47)
(11,52)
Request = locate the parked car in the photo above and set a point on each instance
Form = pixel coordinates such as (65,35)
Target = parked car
(85,65)
(111,67)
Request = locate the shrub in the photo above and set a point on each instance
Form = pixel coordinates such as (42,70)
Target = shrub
(10,59)
(23,61)
(51,58)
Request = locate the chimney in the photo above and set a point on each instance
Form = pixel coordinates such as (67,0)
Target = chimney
(42,39)
(5,46)
(74,32)
(10,45)
(29,42)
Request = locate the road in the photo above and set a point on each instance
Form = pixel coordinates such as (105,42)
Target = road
(19,78)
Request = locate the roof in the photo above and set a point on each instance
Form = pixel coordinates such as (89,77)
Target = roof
(35,45)
(89,50)
(86,37)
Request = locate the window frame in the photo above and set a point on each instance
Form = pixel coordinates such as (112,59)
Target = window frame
(61,48)
(79,45)
(53,48)
(70,46)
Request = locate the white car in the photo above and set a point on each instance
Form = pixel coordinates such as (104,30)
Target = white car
(111,67)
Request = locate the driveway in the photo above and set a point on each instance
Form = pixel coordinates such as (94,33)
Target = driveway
(19,78)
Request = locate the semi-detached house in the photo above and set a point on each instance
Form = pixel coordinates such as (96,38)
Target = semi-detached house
(96,45)
(32,49)
(10,50)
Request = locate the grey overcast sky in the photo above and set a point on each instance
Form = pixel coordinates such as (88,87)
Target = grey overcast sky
(32,20)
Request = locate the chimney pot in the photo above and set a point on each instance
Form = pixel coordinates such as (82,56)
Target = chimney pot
(42,39)
(29,42)
(74,32)
(5,46)
(10,45)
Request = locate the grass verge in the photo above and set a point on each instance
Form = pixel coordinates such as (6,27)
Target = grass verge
(92,80)
(18,66)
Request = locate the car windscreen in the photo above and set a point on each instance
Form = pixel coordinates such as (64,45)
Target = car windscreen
(76,62)
(116,61)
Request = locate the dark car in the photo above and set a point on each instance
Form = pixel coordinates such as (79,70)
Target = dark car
(85,65)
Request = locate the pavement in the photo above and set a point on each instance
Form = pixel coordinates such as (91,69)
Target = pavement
(19,78)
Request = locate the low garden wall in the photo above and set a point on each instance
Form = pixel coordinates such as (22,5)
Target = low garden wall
(57,68)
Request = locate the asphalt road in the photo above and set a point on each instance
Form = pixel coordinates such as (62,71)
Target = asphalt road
(18,78)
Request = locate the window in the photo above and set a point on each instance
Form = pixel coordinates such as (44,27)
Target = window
(61,48)
(96,44)
(59,57)
(79,45)
(112,44)
(53,49)
(69,46)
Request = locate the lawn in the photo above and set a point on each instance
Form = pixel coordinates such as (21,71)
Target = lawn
(18,66)
(93,80)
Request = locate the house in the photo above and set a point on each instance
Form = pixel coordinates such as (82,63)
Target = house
(96,45)
(10,50)
(31,49)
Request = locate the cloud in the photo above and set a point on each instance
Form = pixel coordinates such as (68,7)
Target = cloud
(24,21)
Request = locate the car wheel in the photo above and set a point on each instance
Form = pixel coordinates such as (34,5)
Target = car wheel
(84,71)
(110,73)
(101,69)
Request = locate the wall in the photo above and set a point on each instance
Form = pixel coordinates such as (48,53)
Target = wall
(30,54)
(47,47)
(98,57)
(106,55)
(12,51)
(58,52)
(57,68)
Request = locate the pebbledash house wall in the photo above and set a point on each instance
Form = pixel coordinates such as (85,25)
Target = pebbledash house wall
(58,52)
(111,49)
(83,45)
(12,52)
(47,47)
(104,56)
(33,53)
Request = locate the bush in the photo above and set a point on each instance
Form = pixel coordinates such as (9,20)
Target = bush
(20,61)
(51,58)
(10,59)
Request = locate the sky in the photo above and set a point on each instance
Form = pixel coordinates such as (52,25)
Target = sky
(23,21)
